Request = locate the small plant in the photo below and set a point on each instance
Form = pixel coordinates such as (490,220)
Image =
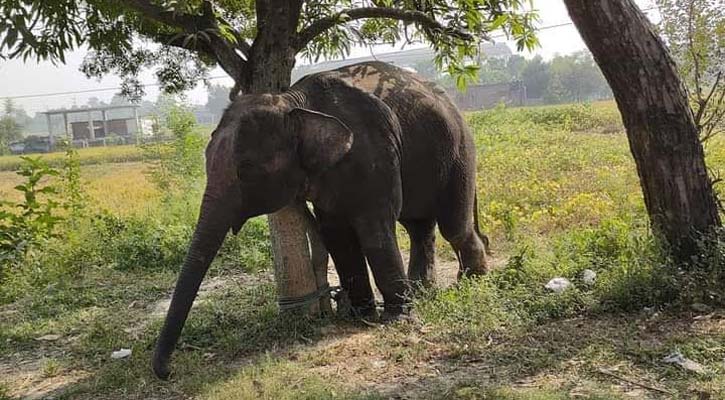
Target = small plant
(5,392)
(177,167)
(51,367)
(27,224)
(72,190)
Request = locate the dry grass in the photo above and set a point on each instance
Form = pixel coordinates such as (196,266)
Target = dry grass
(120,188)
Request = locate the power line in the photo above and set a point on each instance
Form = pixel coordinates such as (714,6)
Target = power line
(28,96)
(563,24)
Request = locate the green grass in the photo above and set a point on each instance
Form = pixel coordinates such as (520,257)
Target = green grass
(88,156)
(558,194)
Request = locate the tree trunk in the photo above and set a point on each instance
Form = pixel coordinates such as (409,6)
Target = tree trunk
(298,253)
(660,126)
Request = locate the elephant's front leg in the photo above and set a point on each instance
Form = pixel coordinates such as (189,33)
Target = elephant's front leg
(341,241)
(380,246)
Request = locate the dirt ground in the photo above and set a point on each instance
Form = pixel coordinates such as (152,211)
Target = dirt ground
(354,356)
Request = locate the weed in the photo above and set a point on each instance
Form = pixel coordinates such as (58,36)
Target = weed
(457,311)
(51,367)
(72,186)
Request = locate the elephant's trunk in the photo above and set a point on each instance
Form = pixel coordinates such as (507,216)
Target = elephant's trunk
(214,222)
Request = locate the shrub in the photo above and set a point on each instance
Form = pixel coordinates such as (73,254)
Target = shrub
(251,248)
(133,244)
(702,279)
(72,188)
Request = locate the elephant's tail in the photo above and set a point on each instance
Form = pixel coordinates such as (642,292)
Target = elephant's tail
(483,237)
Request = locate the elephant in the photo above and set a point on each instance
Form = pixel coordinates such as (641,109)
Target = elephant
(368,145)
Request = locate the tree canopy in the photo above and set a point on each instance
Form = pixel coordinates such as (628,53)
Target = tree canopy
(695,34)
(10,129)
(183,39)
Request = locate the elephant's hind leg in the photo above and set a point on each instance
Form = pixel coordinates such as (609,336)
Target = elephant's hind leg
(455,221)
(421,266)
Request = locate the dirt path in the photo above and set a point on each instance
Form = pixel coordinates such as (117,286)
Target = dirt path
(446,272)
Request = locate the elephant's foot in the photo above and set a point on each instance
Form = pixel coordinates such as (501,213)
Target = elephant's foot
(469,273)
(366,311)
(393,312)
(472,258)
(418,282)
(355,309)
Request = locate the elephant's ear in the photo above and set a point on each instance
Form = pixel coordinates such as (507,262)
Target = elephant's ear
(323,139)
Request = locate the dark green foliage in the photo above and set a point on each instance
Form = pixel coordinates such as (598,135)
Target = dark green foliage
(191,33)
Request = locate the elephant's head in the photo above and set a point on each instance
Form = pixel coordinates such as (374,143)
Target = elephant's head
(257,161)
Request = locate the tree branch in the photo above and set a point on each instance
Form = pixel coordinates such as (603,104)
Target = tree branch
(189,23)
(180,40)
(344,16)
(205,25)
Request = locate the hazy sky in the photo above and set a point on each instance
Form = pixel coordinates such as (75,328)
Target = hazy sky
(18,78)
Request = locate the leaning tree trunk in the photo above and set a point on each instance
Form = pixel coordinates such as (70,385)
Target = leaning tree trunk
(660,126)
(300,259)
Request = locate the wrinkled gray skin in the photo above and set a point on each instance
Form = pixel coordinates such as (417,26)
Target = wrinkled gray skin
(367,144)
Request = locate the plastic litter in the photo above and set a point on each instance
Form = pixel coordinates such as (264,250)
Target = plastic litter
(123,353)
(685,363)
(48,338)
(558,285)
(589,276)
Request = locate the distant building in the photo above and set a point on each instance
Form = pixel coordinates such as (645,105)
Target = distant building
(82,126)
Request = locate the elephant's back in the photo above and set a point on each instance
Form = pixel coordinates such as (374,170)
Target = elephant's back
(434,134)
